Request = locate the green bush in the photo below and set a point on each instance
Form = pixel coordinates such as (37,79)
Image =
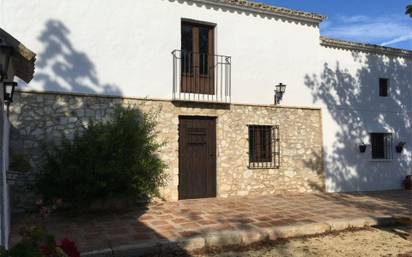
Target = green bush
(107,160)
(18,162)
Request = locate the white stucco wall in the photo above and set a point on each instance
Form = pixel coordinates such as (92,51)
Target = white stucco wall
(124,48)
(347,86)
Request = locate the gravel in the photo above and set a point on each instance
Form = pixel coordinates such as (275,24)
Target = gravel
(368,242)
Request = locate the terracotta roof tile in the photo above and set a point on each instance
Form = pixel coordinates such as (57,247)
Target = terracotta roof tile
(261,7)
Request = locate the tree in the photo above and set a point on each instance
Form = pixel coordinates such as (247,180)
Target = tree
(409,10)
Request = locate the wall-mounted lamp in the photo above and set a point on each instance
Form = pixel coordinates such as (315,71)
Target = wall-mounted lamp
(362,148)
(8,90)
(279,92)
(6,53)
(399,147)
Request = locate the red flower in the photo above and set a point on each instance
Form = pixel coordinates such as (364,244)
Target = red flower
(69,247)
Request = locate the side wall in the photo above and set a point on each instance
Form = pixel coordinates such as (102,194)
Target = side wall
(37,117)
(347,88)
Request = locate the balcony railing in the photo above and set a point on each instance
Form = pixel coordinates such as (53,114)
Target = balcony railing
(201,77)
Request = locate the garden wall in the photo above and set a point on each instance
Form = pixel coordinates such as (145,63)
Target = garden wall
(38,118)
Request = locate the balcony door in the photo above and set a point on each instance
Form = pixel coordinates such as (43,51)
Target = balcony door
(197,59)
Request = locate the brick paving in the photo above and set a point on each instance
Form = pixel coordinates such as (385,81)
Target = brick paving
(173,221)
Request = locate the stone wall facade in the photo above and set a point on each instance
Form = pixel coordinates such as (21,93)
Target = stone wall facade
(39,117)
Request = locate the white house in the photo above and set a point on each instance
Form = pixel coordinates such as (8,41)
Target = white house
(212,65)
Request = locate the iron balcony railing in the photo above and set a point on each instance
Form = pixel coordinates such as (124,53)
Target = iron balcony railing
(201,77)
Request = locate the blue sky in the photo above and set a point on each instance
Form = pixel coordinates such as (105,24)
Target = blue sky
(379,22)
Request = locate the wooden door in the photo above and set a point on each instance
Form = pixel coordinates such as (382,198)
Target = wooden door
(197,58)
(197,157)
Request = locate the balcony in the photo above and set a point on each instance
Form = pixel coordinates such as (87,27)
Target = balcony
(199,77)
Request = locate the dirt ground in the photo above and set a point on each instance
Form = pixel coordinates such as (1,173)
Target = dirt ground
(369,242)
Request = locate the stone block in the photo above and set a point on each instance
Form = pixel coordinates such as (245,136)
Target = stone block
(224,238)
(192,244)
(296,230)
(338,224)
(359,222)
(253,236)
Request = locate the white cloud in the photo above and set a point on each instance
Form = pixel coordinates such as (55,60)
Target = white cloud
(354,19)
(397,40)
(385,30)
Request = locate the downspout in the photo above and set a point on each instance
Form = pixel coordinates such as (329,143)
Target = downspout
(3,187)
(3,158)
(2,171)
(2,13)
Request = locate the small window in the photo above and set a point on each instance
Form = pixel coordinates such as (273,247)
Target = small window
(383,87)
(381,146)
(264,147)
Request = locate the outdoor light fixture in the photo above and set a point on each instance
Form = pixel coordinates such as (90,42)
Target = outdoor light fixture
(9,87)
(6,52)
(362,148)
(400,146)
(279,92)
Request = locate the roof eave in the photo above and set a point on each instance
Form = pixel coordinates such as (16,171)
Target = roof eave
(23,58)
(362,47)
(297,16)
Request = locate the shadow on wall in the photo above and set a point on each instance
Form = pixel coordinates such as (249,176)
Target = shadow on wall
(353,102)
(315,163)
(61,67)
(41,118)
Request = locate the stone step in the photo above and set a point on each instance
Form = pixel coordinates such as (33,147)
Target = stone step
(240,237)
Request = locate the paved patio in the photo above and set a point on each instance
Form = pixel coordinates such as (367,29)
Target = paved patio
(213,222)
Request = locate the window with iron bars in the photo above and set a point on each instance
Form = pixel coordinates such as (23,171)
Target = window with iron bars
(381,146)
(264,147)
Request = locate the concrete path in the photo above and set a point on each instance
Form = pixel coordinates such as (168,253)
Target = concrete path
(195,224)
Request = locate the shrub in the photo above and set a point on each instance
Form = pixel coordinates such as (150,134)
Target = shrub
(106,160)
(18,162)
